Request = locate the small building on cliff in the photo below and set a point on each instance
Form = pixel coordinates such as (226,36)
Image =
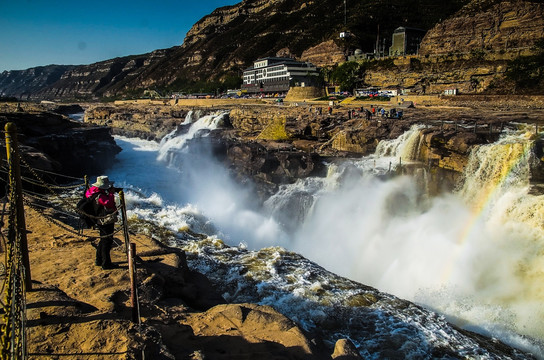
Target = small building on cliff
(275,75)
(406,41)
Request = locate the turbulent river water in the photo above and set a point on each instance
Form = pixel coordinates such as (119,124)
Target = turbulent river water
(476,255)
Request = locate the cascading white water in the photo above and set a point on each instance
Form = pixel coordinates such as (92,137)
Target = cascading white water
(205,182)
(405,146)
(480,265)
(177,142)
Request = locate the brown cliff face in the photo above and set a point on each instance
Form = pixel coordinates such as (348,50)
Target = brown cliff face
(221,45)
(471,51)
(102,79)
(500,26)
(327,53)
(150,122)
(53,142)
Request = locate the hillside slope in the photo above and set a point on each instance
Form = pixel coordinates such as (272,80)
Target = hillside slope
(222,44)
(29,81)
(469,46)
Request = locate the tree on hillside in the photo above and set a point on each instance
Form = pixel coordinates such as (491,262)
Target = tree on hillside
(348,75)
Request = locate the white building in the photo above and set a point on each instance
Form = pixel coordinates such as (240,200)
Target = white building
(275,75)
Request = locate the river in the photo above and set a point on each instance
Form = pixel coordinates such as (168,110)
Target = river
(476,255)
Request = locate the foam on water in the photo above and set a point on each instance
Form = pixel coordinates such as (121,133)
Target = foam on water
(358,225)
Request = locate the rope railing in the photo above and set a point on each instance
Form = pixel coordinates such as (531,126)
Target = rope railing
(17,271)
(17,276)
(60,224)
(41,181)
(4,169)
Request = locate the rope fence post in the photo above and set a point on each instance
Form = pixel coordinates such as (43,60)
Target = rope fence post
(125,220)
(134,285)
(15,181)
(131,254)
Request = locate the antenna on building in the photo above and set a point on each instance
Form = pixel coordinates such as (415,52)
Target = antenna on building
(345,15)
(377,50)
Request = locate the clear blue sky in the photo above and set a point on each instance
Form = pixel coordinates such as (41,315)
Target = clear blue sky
(43,32)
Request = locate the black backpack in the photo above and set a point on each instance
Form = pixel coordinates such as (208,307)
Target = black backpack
(87,206)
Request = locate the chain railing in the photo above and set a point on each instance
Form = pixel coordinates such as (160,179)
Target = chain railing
(17,274)
(17,277)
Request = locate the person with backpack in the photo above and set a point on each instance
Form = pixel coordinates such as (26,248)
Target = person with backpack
(102,194)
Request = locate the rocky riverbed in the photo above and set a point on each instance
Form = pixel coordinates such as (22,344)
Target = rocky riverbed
(76,309)
(276,144)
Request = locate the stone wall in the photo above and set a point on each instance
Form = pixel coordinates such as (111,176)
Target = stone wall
(301,93)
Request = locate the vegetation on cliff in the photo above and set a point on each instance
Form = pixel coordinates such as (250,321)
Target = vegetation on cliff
(527,72)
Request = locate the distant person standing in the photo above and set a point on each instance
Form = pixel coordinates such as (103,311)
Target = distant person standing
(106,212)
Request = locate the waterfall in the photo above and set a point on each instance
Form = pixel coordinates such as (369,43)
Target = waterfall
(405,146)
(475,254)
(176,141)
(477,259)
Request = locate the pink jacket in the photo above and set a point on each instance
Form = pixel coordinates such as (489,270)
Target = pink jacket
(105,199)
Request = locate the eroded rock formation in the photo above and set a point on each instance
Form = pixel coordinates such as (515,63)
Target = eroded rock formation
(499,26)
(53,142)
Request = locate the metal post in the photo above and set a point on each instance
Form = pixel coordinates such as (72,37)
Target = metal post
(15,181)
(125,220)
(133,285)
(131,253)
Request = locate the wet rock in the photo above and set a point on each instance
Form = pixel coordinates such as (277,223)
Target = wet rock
(166,275)
(345,350)
(68,109)
(271,164)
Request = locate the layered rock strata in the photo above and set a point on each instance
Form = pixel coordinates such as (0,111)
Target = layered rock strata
(52,142)
(481,26)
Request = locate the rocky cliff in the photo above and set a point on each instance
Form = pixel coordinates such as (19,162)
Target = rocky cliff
(470,51)
(484,26)
(54,143)
(220,45)
(23,83)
